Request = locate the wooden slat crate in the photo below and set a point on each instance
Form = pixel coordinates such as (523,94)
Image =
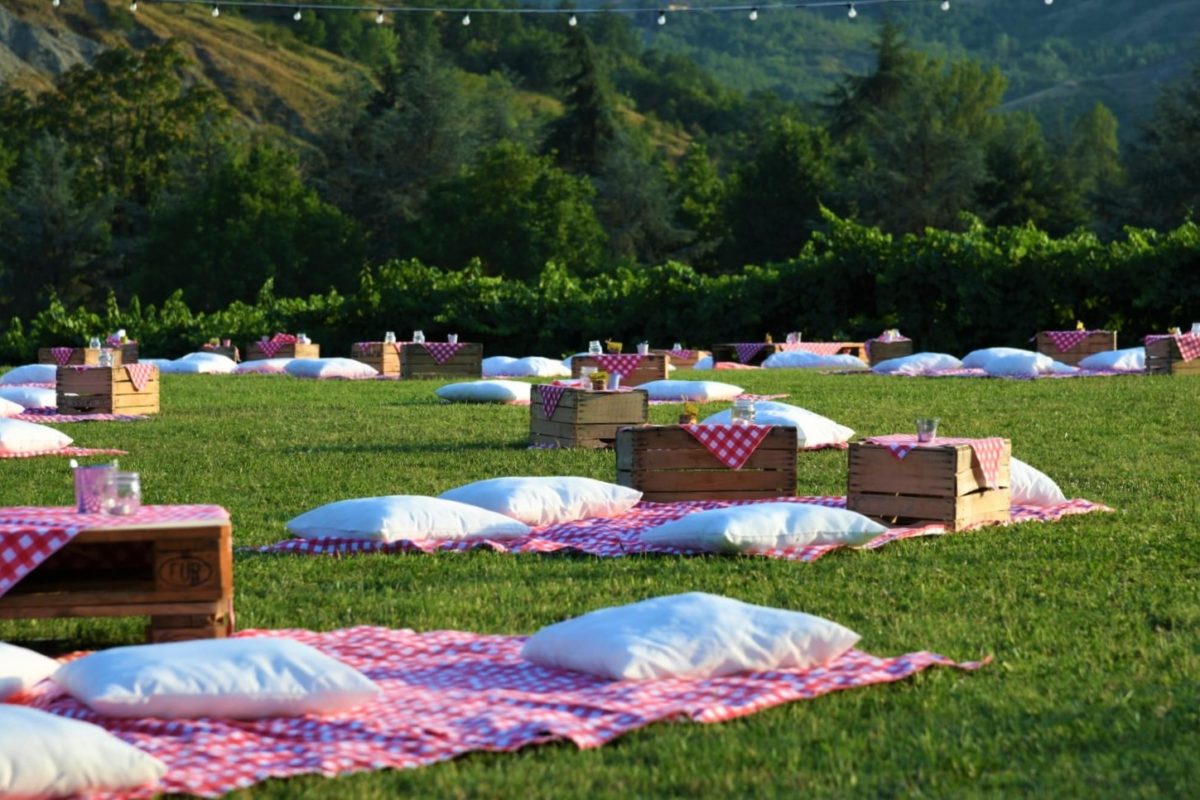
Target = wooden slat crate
(129,353)
(652,367)
(104,390)
(81,356)
(416,362)
(939,484)
(254,351)
(178,574)
(1094,342)
(586,419)
(666,463)
(882,351)
(1163,358)
(681,363)
(383,356)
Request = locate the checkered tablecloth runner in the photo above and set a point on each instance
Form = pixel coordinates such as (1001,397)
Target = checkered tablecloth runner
(747,350)
(442,351)
(68,517)
(1065,340)
(140,375)
(622,364)
(1188,343)
(62,355)
(680,354)
(550,397)
(732,445)
(24,547)
(987,451)
(447,693)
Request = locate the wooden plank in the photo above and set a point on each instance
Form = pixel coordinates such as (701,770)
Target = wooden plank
(676,361)
(882,351)
(704,482)
(107,607)
(1095,342)
(673,437)
(700,458)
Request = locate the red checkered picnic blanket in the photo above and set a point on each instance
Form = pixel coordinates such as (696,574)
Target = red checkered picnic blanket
(987,451)
(1188,343)
(68,517)
(62,355)
(1065,340)
(50,416)
(622,364)
(446,693)
(442,351)
(24,547)
(140,374)
(69,451)
(731,444)
(550,397)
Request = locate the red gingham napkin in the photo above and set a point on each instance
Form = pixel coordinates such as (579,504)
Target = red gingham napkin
(1065,340)
(550,397)
(23,547)
(1189,344)
(276,343)
(747,351)
(68,517)
(731,444)
(987,451)
(140,374)
(622,364)
(62,355)
(442,351)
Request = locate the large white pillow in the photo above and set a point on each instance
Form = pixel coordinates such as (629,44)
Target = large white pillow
(802,359)
(1023,365)
(539,367)
(812,430)
(694,391)
(692,635)
(18,437)
(263,366)
(230,678)
(395,517)
(9,409)
(739,529)
(346,368)
(44,755)
(495,366)
(1132,359)
(547,500)
(201,364)
(917,364)
(20,669)
(30,396)
(491,391)
(704,362)
(31,373)
(1032,487)
(978,359)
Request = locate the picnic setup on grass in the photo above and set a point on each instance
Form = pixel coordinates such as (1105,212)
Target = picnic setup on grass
(203,707)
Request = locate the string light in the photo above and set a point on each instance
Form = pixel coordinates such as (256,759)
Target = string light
(662,18)
(1049,2)
(945,5)
(133,6)
(573,21)
(753,15)
(379,18)
(56,3)
(853,12)
(216,12)
(297,16)
(466,19)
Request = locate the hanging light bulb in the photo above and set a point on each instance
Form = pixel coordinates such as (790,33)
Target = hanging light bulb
(133,5)
(573,21)
(379,17)
(56,3)
(466,19)
(297,16)
(662,18)
(853,12)
(1049,2)
(216,12)
(754,15)
(945,5)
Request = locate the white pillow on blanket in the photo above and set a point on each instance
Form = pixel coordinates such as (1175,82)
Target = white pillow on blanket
(230,678)
(760,526)
(547,500)
(978,359)
(802,359)
(326,368)
(30,396)
(917,364)
(1132,359)
(694,391)
(200,364)
(9,409)
(20,669)
(45,755)
(494,366)
(1024,365)
(1032,487)
(263,366)
(812,430)
(31,373)
(694,635)
(18,437)
(491,391)
(396,517)
(528,367)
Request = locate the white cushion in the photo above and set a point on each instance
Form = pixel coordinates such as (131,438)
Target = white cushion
(346,368)
(29,396)
(693,391)
(978,359)
(1032,487)
(20,669)
(31,373)
(492,391)
(917,364)
(231,678)
(812,430)
(18,436)
(539,367)
(692,635)
(263,366)
(547,500)
(9,409)
(44,755)
(396,517)
(739,529)
(802,359)
(1018,365)
(201,364)
(494,366)
(1132,359)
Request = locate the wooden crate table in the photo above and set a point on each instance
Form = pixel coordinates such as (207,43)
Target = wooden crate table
(1071,347)
(563,416)
(129,353)
(1173,354)
(683,359)
(173,564)
(669,462)
(755,353)
(127,389)
(281,348)
(76,356)
(634,369)
(879,350)
(441,359)
(956,482)
(384,357)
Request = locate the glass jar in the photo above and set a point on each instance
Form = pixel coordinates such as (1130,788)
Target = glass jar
(594,348)
(419,337)
(124,493)
(389,337)
(94,343)
(452,338)
(106,359)
(742,412)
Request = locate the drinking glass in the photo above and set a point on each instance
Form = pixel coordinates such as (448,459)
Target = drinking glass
(94,343)
(643,348)
(91,494)
(106,357)
(1196,328)
(124,493)
(594,348)
(419,337)
(452,338)
(927,428)
(585,374)
(389,337)
(677,346)
(742,412)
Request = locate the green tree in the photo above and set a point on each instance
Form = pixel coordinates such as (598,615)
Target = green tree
(701,193)
(1166,161)
(580,137)
(1093,167)
(1025,183)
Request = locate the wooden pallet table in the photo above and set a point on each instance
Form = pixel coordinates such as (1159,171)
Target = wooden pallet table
(650,367)
(256,352)
(943,484)
(127,389)
(384,357)
(1164,356)
(179,574)
(77,356)
(683,359)
(666,464)
(880,350)
(1091,343)
(419,361)
(583,418)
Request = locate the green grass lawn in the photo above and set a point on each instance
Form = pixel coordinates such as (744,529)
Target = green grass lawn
(1094,622)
